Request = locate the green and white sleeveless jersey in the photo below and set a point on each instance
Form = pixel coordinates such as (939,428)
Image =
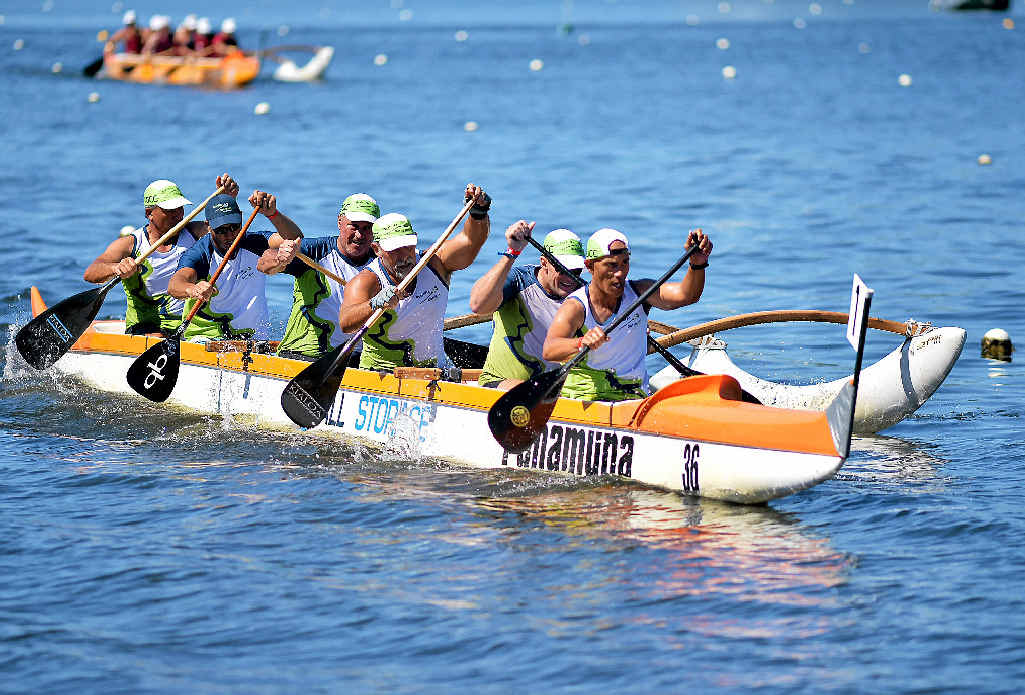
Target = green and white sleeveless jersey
(521,325)
(410,335)
(148,303)
(616,370)
(312,327)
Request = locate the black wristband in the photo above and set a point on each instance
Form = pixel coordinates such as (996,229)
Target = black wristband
(699,267)
(478,213)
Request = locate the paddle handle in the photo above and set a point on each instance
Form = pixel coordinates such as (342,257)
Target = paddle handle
(319,268)
(623,315)
(220,268)
(178,227)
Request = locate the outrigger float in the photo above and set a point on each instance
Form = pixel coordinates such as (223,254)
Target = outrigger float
(695,436)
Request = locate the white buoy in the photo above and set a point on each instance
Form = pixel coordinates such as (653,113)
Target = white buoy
(405,15)
(19,44)
(864,47)
(815,8)
(722,43)
(996,345)
(584,39)
(94,97)
(380,59)
(904,80)
(283,30)
(262,108)
(127,230)
(985,159)
(462,35)
(729,72)
(57,67)
(536,64)
(725,8)
(470,126)
(799,23)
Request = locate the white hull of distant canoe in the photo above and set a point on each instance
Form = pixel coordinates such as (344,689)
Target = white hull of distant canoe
(889,390)
(288,71)
(413,426)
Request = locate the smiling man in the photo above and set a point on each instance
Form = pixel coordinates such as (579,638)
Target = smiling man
(312,328)
(150,308)
(614,369)
(524,301)
(237,307)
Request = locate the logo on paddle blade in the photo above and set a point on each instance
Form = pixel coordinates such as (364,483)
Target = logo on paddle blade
(59,328)
(155,372)
(307,401)
(519,416)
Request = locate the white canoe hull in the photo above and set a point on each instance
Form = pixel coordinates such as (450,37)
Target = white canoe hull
(288,71)
(411,427)
(889,390)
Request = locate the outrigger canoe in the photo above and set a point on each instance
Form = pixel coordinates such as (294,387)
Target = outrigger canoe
(232,71)
(696,436)
(890,389)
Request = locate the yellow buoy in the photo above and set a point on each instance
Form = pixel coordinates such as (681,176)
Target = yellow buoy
(1008,23)
(996,345)
(102,35)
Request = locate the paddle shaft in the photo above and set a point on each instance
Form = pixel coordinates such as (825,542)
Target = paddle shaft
(319,268)
(623,315)
(676,364)
(220,268)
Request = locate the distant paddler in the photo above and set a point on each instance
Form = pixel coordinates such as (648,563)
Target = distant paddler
(150,308)
(128,35)
(409,334)
(158,40)
(614,368)
(312,328)
(524,300)
(237,308)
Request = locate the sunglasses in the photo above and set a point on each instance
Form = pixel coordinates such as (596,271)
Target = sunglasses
(227,229)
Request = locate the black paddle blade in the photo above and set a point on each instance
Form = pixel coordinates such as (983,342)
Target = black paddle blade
(519,417)
(154,373)
(309,395)
(92,68)
(43,340)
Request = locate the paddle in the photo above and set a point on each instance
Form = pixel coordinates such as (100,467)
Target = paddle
(319,268)
(155,372)
(92,68)
(311,392)
(518,418)
(43,340)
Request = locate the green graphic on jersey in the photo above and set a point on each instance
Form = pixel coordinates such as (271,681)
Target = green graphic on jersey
(507,356)
(213,325)
(144,309)
(382,353)
(306,332)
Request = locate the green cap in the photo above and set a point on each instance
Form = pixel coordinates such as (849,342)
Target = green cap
(599,243)
(566,246)
(164,194)
(393,231)
(359,207)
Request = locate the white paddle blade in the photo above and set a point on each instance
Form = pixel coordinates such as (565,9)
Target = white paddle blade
(861,299)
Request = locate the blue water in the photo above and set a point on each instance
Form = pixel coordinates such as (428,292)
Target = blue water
(150,550)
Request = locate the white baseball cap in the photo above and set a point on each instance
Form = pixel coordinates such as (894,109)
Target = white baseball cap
(228,26)
(129,17)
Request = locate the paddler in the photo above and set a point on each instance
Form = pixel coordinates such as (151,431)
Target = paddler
(128,34)
(158,41)
(524,300)
(614,369)
(203,37)
(150,308)
(312,328)
(237,307)
(183,43)
(224,42)
(409,334)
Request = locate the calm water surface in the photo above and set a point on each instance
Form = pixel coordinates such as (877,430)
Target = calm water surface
(147,549)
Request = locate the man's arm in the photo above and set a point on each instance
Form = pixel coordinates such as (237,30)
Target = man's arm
(460,251)
(561,342)
(284,227)
(358,302)
(116,260)
(274,260)
(673,295)
(487,293)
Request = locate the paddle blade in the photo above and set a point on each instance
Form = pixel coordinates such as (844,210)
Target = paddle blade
(155,372)
(519,417)
(92,68)
(309,395)
(43,340)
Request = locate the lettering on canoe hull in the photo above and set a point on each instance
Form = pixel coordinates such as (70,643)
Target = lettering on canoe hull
(689,476)
(578,450)
(378,414)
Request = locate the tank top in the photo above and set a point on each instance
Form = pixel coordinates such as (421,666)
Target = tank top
(616,370)
(149,306)
(312,327)
(410,335)
(521,326)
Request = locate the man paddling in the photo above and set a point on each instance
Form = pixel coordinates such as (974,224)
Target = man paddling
(237,307)
(614,369)
(524,301)
(312,328)
(128,34)
(150,308)
(409,334)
